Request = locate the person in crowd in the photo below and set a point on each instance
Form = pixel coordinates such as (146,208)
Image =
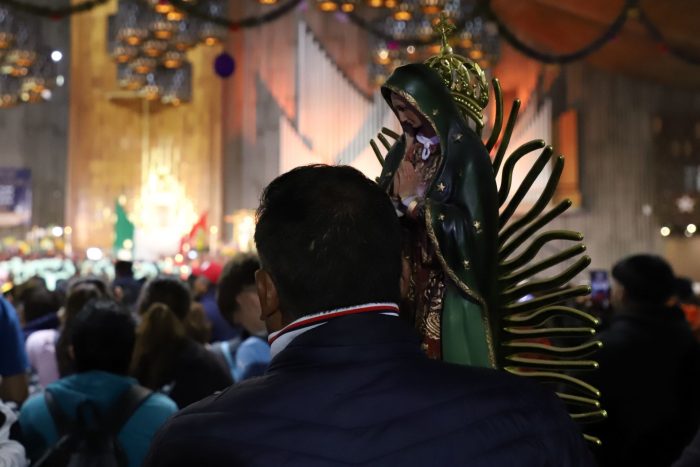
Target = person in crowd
(197,325)
(349,383)
(204,290)
(13,359)
(691,454)
(39,310)
(649,369)
(238,301)
(166,358)
(102,343)
(125,287)
(48,350)
(20,291)
(689,303)
(11,452)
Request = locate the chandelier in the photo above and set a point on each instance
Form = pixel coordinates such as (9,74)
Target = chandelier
(406,28)
(27,71)
(149,40)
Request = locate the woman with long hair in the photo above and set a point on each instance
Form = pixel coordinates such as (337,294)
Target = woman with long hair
(48,349)
(165,356)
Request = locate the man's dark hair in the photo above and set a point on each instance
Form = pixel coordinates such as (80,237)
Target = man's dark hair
(98,283)
(238,274)
(103,336)
(168,291)
(646,278)
(329,238)
(81,293)
(39,302)
(123,269)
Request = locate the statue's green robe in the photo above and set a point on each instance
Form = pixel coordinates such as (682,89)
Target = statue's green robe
(460,217)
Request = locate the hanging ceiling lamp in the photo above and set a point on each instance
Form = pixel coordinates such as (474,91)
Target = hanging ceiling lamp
(154,48)
(7,28)
(130,24)
(175,15)
(143,65)
(176,86)
(41,73)
(161,6)
(402,21)
(477,38)
(347,6)
(162,28)
(403,12)
(124,53)
(23,52)
(128,79)
(173,59)
(431,7)
(185,36)
(9,91)
(211,33)
(118,50)
(327,6)
(167,9)
(151,88)
(148,39)
(27,72)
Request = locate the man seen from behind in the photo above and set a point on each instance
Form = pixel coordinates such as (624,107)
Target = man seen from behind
(348,383)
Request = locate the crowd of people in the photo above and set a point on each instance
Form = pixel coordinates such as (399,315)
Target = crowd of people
(129,352)
(299,356)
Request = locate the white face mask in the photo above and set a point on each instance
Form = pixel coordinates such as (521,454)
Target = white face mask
(428,145)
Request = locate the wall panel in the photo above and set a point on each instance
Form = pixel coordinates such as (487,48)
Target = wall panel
(110,138)
(615,115)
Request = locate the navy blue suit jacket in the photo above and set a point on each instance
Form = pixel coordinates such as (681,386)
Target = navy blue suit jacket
(359,391)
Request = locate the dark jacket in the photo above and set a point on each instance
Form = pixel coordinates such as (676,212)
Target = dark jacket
(648,375)
(358,391)
(691,454)
(197,374)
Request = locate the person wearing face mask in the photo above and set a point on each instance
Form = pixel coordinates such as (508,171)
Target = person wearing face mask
(238,301)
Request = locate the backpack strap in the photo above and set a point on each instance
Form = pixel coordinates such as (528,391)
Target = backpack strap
(60,419)
(128,403)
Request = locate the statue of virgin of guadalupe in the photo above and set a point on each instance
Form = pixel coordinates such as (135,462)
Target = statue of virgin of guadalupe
(472,293)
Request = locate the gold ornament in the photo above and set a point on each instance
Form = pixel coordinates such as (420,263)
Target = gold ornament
(464,78)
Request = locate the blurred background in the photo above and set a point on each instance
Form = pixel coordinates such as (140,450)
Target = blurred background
(146,130)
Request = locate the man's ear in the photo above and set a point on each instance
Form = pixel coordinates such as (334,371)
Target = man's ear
(270,311)
(405,279)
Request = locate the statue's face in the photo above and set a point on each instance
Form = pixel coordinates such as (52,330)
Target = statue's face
(409,117)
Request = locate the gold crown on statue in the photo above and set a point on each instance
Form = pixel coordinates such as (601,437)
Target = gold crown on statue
(464,78)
